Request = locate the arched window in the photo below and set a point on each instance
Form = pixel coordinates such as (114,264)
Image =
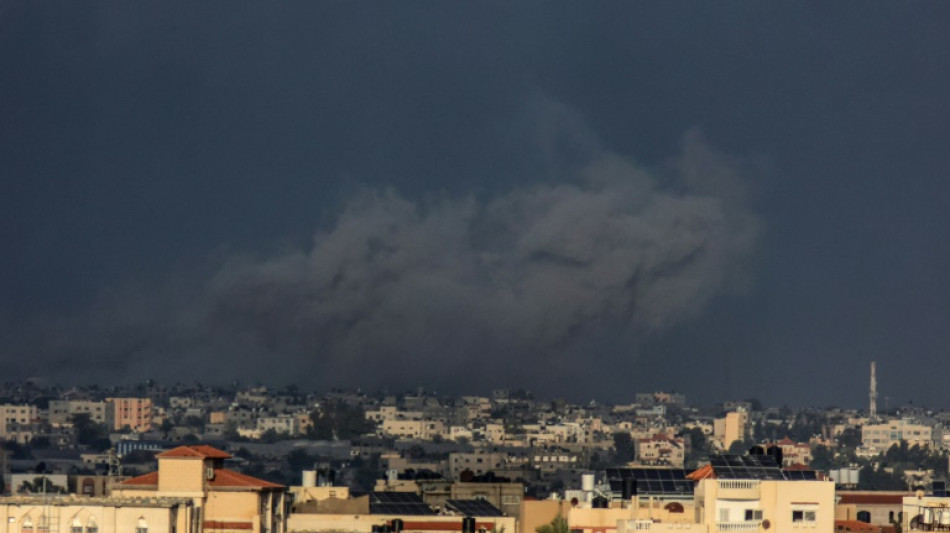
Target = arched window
(674,507)
(76,526)
(141,526)
(890,516)
(91,526)
(864,516)
(27,525)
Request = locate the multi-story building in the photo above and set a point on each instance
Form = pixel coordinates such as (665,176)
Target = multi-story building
(223,500)
(412,429)
(62,411)
(730,428)
(136,413)
(13,416)
(753,500)
(288,424)
(661,450)
(880,437)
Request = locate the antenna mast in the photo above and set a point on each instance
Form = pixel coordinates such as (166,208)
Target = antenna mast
(872,410)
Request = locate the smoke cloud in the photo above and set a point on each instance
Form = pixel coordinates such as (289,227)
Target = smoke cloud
(401,291)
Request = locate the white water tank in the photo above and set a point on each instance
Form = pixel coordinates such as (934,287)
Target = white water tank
(587,482)
(309,478)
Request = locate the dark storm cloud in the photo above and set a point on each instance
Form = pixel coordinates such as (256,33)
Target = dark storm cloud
(398,291)
(158,140)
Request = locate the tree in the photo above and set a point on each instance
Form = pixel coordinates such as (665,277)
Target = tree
(822,458)
(339,421)
(698,446)
(850,437)
(557,525)
(624,448)
(89,433)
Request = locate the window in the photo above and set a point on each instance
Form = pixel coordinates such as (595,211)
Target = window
(753,514)
(141,527)
(724,515)
(803,516)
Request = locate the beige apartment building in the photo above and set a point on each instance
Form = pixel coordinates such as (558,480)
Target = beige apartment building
(62,411)
(717,505)
(135,413)
(12,416)
(190,493)
(73,514)
(880,437)
(224,501)
(661,450)
(730,428)
(412,429)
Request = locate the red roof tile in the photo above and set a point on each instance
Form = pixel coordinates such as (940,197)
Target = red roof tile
(706,471)
(201,451)
(223,478)
(230,478)
(147,480)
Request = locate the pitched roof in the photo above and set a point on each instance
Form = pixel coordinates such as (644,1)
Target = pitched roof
(704,472)
(231,479)
(200,451)
(223,478)
(146,480)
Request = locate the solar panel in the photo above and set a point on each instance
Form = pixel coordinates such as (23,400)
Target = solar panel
(473,507)
(745,467)
(650,481)
(801,475)
(398,503)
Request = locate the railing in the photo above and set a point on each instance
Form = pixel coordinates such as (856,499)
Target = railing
(738,484)
(751,525)
(738,489)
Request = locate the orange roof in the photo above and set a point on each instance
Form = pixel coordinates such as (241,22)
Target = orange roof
(785,442)
(201,451)
(703,472)
(147,480)
(230,478)
(223,478)
(854,525)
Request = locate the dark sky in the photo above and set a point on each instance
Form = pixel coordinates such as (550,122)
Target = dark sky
(726,199)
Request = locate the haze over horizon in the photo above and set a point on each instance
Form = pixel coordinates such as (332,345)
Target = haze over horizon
(728,200)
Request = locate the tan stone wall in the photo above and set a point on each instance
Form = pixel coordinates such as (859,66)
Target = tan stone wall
(108,518)
(180,475)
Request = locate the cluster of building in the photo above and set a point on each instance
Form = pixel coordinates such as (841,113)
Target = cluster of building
(506,460)
(194,490)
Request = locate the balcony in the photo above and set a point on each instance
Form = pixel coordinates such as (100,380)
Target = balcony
(738,489)
(750,525)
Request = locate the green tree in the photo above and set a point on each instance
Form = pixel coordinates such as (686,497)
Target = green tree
(624,449)
(557,525)
(89,433)
(850,437)
(822,458)
(339,421)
